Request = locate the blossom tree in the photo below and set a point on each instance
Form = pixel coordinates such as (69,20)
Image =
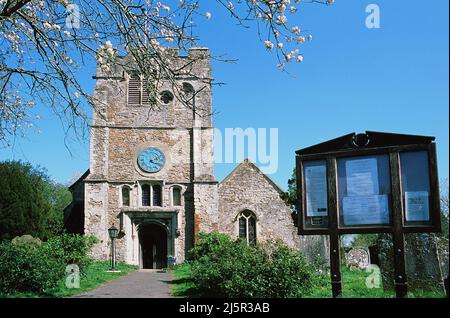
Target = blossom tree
(44,45)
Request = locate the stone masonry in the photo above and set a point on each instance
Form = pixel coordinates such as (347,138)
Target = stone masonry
(120,131)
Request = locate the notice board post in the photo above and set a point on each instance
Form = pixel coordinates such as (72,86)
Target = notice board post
(368,183)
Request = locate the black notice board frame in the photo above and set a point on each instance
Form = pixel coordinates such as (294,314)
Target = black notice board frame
(370,143)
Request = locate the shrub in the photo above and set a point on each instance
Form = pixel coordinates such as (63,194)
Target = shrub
(288,273)
(27,268)
(71,249)
(226,268)
(26,240)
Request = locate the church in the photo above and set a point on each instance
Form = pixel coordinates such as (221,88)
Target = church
(151,173)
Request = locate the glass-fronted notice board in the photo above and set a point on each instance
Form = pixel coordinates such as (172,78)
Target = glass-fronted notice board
(415,186)
(315,174)
(364,190)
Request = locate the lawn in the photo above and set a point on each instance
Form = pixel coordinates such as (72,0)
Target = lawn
(353,286)
(95,276)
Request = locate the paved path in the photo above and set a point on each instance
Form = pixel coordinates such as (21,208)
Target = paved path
(141,284)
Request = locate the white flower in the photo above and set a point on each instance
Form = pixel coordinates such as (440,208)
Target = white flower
(208,15)
(268,44)
(166,8)
(77,95)
(66,33)
(282,8)
(301,39)
(293,9)
(300,58)
(230,5)
(281,19)
(296,30)
(280,45)
(108,44)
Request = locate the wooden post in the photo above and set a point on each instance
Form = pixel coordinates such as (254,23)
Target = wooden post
(335,266)
(401,287)
(335,259)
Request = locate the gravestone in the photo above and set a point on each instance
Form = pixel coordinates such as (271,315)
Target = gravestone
(442,247)
(423,270)
(358,258)
(316,250)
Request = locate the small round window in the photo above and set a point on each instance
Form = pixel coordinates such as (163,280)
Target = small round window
(166,97)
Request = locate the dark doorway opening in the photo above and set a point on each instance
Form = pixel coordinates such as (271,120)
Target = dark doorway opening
(153,240)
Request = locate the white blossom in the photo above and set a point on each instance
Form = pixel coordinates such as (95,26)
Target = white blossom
(281,19)
(268,44)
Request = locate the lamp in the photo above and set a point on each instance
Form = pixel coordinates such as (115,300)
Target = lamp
(113,232)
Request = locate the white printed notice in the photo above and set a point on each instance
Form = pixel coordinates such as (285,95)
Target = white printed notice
(316,190)
(365,209)
(362,177)
(416,206)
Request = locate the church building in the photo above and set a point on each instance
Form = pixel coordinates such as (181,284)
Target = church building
(151,172)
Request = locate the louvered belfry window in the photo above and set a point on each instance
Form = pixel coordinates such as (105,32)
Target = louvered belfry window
(134,90)
(145,93)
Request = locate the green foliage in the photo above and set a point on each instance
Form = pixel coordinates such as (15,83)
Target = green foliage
(27,268)
(31,267)
(30,203)
(71,249)
(290,196)
(26,240)
(59,197)
(364,240)
(23,206)
(226,268)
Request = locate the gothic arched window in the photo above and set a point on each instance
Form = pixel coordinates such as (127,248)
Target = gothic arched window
(176,196)
(125,196)
(146,195)
(247,227)
(157,195)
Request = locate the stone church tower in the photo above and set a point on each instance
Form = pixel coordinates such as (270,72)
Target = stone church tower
(151,168)
(151,172)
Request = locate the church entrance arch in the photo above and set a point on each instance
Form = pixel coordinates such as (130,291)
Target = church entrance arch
(153,246)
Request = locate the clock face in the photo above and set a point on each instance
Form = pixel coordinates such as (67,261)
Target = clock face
(151,160)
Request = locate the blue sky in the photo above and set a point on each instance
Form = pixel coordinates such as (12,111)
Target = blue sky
(392,79)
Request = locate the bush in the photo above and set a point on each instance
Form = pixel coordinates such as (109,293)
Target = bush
(26,240)
(27,268)
(226,268)
(71,249)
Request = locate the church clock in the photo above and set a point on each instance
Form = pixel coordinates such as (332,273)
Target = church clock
(151,160)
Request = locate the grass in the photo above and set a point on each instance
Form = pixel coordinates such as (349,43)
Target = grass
(353,286)
(95,276)
(182,283)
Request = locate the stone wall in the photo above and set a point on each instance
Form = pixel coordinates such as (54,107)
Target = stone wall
(120,131)
(247,188)
(421,259)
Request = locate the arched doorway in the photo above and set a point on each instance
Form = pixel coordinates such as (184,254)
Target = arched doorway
(153,241)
